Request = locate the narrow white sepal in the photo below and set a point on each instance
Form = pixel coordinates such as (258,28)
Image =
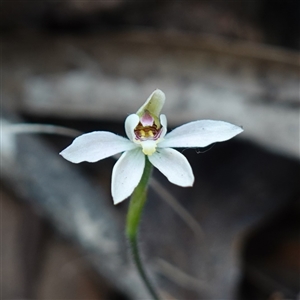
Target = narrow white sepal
(164,124)
(174,166)
(130,123)
(94,146)
(126,175)
(200,134)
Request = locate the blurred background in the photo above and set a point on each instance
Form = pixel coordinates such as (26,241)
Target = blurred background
(86,65)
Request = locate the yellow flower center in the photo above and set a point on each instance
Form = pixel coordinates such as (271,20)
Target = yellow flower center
(148,137)
(146,132)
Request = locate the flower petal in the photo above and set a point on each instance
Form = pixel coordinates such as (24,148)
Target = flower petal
(174,166)
(200,134)
(95,146)
(163,122)
(130,123)
(126,175)
(154,104)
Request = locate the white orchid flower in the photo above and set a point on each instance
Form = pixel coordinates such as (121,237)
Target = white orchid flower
(146,131)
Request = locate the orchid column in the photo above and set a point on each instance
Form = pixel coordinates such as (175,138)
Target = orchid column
(148,144)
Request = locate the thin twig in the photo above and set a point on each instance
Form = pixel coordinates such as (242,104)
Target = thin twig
(178,276)
(178,208)
(38,128)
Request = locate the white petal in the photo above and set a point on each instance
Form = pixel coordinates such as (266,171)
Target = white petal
(95,146)
(126,175)
(130,123)
(154,103)
(174,166)
(164,124)
(200,134)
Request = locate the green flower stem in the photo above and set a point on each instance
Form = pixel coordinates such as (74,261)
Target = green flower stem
(136,206)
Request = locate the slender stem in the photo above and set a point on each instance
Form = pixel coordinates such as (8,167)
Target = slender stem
(137,201)
(136,206)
